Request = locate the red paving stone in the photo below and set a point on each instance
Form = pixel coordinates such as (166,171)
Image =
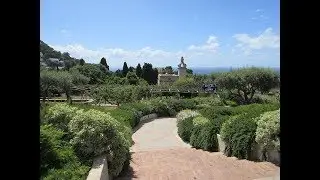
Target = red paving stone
(163,162)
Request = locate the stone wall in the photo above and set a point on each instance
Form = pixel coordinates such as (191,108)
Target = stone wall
(256,153)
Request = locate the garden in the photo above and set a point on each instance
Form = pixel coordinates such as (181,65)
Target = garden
(245,113)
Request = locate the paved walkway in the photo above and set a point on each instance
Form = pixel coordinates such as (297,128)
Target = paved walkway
(159,154)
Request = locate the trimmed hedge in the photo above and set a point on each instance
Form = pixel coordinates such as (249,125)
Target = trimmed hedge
(254,110)
(208,134)
(238,132)
(196,139)
(268,130)
(216,111)
(59,115)
(185,124)
(97,133)
(210,101)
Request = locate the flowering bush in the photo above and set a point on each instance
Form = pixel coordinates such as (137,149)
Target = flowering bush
(96,133)
(182,115)
(185,124)
(268,130)
(59,115)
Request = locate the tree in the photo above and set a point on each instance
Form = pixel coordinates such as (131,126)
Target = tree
(91,71)
(245,82)
(65,83)
(132,78)
(82,62)
(118,73)
(48,80)
(131,69)
(139,71)
(189,71)
(168,70)
(114,94)
(186,83)
(154,76)
(149,74)
(125,69)
(103,61)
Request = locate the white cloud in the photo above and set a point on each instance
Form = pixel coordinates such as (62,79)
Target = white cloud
(211,45)
(207,54)
(266,39)
(259,10)
(147,54)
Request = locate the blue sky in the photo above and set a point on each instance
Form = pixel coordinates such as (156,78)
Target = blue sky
(215,33)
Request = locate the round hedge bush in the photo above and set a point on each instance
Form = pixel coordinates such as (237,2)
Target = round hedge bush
(185,123)
(238,132)
(96,133)
(198,125)
(268,130)
(182,115)
(208,134)
(216,111)
(59,115)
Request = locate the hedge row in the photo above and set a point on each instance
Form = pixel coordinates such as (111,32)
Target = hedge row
(94,130)
(90,133)
(237,126)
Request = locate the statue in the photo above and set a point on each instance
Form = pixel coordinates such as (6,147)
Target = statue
(182,60)
(182,64)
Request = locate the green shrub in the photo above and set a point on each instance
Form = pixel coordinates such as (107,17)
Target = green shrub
(97,133)
(265,99)
(238,133)
(49,141)
(254,110)
(198,124)
(57,154)
(208,134)
(162,108)
(144,107)
(216,111)
(72,172)
(182,115)
(231,103)
(60,115)
(170,107)
(185,124)
(130,118)
(211,101)
(268,130)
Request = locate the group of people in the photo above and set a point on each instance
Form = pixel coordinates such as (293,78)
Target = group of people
(209,87)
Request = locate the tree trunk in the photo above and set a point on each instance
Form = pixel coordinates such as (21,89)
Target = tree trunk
(44,96)
(69,99)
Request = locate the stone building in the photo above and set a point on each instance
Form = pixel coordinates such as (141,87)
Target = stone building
(171,78)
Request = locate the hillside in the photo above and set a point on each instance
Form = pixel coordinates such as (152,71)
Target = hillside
(49,52)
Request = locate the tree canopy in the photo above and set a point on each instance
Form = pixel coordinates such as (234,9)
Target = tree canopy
(245,82)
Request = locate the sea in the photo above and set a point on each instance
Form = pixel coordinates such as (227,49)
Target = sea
(209,70)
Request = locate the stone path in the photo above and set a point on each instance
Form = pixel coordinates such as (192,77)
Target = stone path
(160,154)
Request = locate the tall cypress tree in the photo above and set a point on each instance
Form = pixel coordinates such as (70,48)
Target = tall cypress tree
(125,69)
(139,71)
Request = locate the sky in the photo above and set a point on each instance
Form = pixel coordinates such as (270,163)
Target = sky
(207,33)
